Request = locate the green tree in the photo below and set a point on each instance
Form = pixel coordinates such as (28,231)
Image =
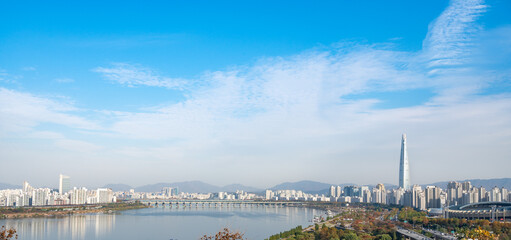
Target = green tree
(385,237)
(351,236)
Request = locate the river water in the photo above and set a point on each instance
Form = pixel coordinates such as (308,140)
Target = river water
(256,222)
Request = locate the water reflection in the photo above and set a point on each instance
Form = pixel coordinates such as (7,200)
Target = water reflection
(166,222)
(71,227)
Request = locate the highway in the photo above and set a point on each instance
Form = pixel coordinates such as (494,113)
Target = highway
(412,234)
(440,235)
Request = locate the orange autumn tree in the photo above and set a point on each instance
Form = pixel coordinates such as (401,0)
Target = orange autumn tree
(224,235)
(7,234)
(480,234)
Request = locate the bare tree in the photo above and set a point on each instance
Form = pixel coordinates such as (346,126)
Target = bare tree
(224,235)
(7,234)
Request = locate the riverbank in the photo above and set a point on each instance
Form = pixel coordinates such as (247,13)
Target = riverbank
(62,211)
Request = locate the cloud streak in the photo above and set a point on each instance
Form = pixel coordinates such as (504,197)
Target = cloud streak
(450,37)
(299,113)
(133,76)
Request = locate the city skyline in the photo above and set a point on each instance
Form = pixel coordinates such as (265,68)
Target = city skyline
(431,197)
(66,180)
(221,94)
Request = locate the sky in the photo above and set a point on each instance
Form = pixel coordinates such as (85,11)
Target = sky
(254,92)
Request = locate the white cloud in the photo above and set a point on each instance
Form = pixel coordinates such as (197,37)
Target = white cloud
(6,77)
(449,39)
(77,145)
(3,74)
(22,114)
(22,111)
(283,112)
(64,80)
(295,113)
(46,135)
(132,76)
(28,68)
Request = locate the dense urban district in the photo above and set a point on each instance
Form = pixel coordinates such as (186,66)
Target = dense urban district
(351,212)
(386,222)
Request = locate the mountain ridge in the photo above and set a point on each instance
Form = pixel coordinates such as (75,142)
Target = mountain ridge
(308,186)
(9,186)
(477,182)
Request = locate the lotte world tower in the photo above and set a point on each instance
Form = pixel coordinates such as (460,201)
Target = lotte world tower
(404,166)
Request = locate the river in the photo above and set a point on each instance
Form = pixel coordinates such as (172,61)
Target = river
(256,222)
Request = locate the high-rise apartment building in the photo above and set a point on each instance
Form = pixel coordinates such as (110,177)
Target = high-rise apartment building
(404,166)
(433,197)
(169,191)
(104,195)
(482,194)
(379,195)
(40,197)
(268,194)
(27,188)
(64,184)
(79,196)
(332,191)
(338,192)
(352,191)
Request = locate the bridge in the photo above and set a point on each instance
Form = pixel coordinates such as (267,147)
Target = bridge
(215,203)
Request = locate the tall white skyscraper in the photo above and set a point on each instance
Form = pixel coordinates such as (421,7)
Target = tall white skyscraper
(404,166)
(64,184)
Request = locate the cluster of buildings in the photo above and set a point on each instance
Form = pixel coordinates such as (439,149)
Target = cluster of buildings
(174,193)
(457,193)
(430,197)
(238,195)
(460,198)
(65,195)
(293,195)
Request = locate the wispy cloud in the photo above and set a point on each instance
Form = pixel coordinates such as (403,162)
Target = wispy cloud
(6,77)
(3,73)
(28,68)
(296,111)
(22,111)
(450,37)
(134,75)
(77,145)
(64,80)
(298,105)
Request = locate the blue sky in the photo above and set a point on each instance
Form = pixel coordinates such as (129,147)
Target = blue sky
(228,92)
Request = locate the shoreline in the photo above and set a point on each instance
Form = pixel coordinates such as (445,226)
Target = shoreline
(63,211)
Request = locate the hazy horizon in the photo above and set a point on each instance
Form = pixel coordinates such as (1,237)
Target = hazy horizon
(259,187)
(254,93)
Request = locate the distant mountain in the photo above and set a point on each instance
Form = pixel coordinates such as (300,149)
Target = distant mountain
(118,187)
(9,186)
(189,186)
(486,183)
(235,187)
(304,186)
(389,186)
